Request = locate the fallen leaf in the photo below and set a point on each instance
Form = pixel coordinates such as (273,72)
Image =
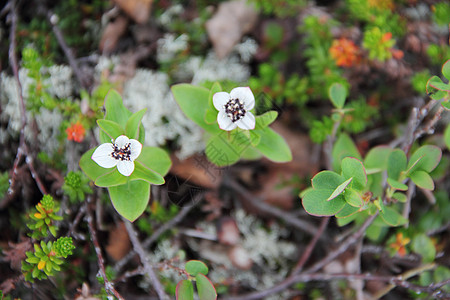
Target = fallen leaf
(198,170)
(111,34)
(138,10)
(231,22)
(118,242)
(16,254)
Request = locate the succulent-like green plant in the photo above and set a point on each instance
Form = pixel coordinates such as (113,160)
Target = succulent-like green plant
(76,185)
(43,218)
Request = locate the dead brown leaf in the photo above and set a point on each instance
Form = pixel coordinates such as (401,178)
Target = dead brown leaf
(119,242)
(112,33)
(198,170)
(138,10)
(231,22)
(16,253)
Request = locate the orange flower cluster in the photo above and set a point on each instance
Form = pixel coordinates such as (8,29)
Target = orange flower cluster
(76,132)
(400,243)
(345,52)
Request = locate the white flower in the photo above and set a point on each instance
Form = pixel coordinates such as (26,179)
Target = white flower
(121,154)
(234,109)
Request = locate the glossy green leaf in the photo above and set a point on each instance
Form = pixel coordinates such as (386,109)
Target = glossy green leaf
(391,217)
(426,158)
(315,203)
(424,246)
(273,146)
(130,199)
(343,147)
(422,179)
(112,129)
(397,184)
(143,173)
(193,101)
(184,290)
(205,288)
(133,124)
(446,69)
(396,163)
(156,159)
(90,167)
(194,267)
(353,168)
(433,92)
(337,94)
(111,178)
(340,189)
(265,119)
(376,159)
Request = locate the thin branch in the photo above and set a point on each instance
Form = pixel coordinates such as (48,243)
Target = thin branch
(407,206)
(272,210)
(109,286)
(148,269)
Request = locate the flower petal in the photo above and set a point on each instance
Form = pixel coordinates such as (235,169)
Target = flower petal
(220,99)
(247,122)
(135,149)
(245,95)
(225,123)
(121,141)
(102,156)
(125,167)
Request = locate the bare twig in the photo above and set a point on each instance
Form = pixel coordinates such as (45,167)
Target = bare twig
(148,269)
(407,206)
(269,209)
(109,286)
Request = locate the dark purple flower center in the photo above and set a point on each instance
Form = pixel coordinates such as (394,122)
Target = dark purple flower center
(123,153)
(235,109)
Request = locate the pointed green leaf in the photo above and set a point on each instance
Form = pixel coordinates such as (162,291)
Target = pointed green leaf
(392,217)
(347,211)
(337,94)
(352,167)
(429,156)
(133,124)
(90,167)
(396,164)
(422,179)
(130,199)
(377,159)
(184,290)
(343,147)
(205,288)
(340,189)
(397,184)
(156,159)
(433,92)
(315,203)
(142,173)
(112,178)
(211,116)
(440,86)
(223,149)
(194,267)
(273,146)
(115,110)
(111,129)
(265,119)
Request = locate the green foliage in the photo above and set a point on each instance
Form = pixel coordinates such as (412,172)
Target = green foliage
(152,164)
(441,13)
(46,258)
(320,129)
(281,9)
(43,218)
(419,81)
(378,43)
(4,184)
(196,271)
(225,148)
(438,53)
(76,185)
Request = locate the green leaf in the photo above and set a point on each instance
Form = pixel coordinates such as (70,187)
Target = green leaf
(273,146)
(194,267)
(315,203)
(396,164)
(115,110)
(440,86)
(337,94)
(347,211)
(397,184)
(340,189)
(130,199)
(184,290)
(143,173)
(447,136)
(353,198)
(155,159)
(400,197)
(446,104)
(193,101)
(433,92)
(327,180)
(90,167)
(424,246)
(377,159)
(215,88)
(391,217)
(352,167)
(110,128)
(205,288)
(133,125)
(343,147)
(265,119)
(422,179)
(225,148)
(426,158)
(446,69)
